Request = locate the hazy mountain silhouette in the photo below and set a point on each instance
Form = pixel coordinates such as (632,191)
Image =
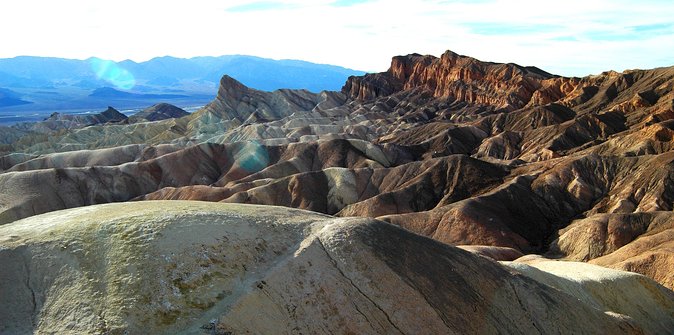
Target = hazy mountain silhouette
(194,74)
(11,98)
(109,92)
(47,84)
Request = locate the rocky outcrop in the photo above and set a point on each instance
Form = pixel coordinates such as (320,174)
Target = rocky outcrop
(460,150)
(194,267)
(160,111)
(622,294)
(88,158)
(65,180)
(108,115)
(58,124)
(235,108)
(101,136)
(237,104)
(638,242)
(375,191)
(502,86)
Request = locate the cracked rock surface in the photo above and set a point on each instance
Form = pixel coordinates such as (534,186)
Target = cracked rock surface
(212,268)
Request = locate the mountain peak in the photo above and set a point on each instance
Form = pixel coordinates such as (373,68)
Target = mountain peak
(160,111)
(113,114)
(230,87)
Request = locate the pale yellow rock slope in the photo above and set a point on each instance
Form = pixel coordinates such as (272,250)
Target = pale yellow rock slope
(179,267)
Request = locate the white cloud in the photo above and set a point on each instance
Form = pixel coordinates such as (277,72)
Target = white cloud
(575,37)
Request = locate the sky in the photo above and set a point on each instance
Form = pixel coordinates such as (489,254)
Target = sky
(571,37)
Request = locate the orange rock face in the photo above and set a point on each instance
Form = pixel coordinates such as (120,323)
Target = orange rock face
(501,86)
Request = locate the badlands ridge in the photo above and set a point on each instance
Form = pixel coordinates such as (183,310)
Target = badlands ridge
(498,159)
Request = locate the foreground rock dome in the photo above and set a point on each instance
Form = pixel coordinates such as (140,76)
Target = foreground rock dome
(210,268)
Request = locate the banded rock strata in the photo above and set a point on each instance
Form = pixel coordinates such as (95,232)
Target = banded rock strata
(463,151)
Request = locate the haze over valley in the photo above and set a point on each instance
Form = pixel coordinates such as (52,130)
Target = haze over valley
(31,88)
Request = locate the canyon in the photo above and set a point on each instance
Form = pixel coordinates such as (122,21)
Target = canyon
(465,189)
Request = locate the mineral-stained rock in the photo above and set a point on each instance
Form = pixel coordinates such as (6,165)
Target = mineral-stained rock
(235,104)
(64,180)
(195,267)
(504,86)
(460,150)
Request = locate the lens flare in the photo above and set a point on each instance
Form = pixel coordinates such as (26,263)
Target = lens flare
(112,73)
(253,157)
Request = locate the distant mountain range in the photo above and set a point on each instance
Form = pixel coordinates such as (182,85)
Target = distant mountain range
(199,74)
(449,195)
(42,85)
(109,92)
(10,98)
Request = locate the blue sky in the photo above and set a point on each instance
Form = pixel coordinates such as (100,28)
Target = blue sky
(573,37)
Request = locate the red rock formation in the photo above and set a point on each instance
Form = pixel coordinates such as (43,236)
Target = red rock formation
(502,86)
